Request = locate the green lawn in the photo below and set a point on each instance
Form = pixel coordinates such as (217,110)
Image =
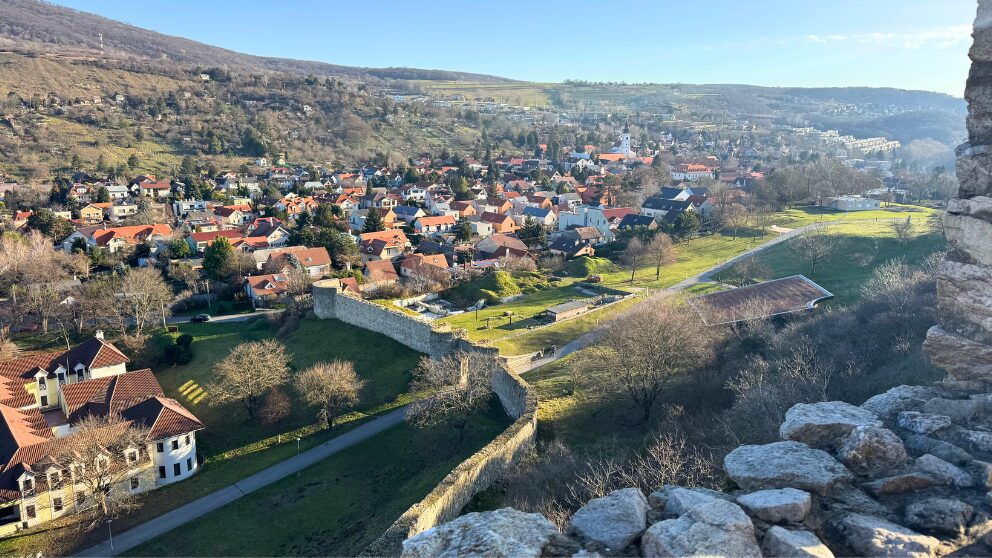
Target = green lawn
(335,508)
(800,216)
(382,362)
(865,246)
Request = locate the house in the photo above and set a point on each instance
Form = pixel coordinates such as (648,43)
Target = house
(408,214)
(464,208)
(634,220)
(658,208)
(588,234)
(115,239)
(544,216)
(587,216)
(315,261)
(357,219)
(502,224)
(198,241)
(382,245)
(852,203)
(500,245)
(117,191)
(691,172)
(155,188)
(271,230)
(119,210)
(234,215)
(91,214)
(423,265)
(676,194)
(434,225)
(262,289)
(571,247)
(43,396)
(181,207)
(380,272)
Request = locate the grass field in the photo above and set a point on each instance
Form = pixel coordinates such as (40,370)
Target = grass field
(864,247)
(335,508)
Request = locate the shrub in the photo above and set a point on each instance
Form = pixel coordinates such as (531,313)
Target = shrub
(184,340)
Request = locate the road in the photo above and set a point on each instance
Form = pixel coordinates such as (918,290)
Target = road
(186,513)
(229,318)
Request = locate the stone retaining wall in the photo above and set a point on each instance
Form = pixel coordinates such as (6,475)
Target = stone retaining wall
(476,473)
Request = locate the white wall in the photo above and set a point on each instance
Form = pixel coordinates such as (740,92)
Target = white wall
(170,457)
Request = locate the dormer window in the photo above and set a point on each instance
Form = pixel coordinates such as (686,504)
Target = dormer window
(80,374)
(55,480)
(27,485)
(132,457)
(61,377)
(42,386)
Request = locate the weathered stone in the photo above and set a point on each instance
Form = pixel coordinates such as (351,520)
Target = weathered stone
(974,170)
(981,48)
(783,465)
(899,398)
(775,506)
(505,532)
(976,439)
(959,410)
(900,483)
(962,358)
(787,543)
(873,536)
(824,424)
(943,471)
(615,520)
(869,448)
(940,515)
(947,451)
(666,500)
(964,292)
(981,473)
(713,528)
(922,423)
(968,230)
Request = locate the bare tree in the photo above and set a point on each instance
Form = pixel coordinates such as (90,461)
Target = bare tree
(276,408)
(456,386)
(814,246)
(633,256)
(734,216)
(146,295)
(744,271)
(660,251)
(643,351)
(903,230)
(248,372)
(105,452)
(332,386)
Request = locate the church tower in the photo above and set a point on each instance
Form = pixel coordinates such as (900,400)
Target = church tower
(625,141)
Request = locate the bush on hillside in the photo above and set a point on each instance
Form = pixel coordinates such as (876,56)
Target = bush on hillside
(584,266)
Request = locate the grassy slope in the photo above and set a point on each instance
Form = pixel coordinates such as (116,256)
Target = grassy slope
(335,508)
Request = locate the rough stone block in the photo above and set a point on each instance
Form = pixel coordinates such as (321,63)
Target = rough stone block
(962,358)
(899,398)
(615,520)
(943,471)
(870,448)
(968,228)
(504,532)
(775,506)
(873,536)
(964,292)
(788,543)
(825,424)
(784,465)
(939,515)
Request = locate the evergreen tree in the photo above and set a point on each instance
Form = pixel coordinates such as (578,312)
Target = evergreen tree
(217,258)
(102,195)
(373,221)
(533,233)
(463,230)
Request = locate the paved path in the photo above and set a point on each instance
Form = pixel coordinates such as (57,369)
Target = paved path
(206,504)
(227,318)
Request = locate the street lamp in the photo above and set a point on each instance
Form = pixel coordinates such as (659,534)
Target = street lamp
(110,532)
(297,453)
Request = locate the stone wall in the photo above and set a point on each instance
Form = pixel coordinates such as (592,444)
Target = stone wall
(479,471)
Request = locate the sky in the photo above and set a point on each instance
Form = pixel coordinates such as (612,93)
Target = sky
(909,44)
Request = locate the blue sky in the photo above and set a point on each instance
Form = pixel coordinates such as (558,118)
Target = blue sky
(911,44)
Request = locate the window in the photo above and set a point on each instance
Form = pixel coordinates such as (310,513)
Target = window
(77,471)
(160,447)
(55,480)
(61,376)
(42,386)
(57,504)
(176,470)
(187,439)
(80,498)
(175,444)
(161,471)
(189,463)
(44,400)
(29,511)
(134,483)
(27,485)
(79,375)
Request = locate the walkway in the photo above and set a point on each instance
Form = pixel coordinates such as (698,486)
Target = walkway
(206,504)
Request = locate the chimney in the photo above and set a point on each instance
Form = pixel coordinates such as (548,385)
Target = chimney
(99,334)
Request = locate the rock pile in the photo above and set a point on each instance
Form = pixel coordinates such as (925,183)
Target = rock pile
(882,479)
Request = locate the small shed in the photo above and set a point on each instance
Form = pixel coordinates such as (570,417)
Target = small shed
(567,310)
(852,203)
(762,300)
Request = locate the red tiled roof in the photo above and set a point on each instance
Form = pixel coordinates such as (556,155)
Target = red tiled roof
(131,235)
(381,270)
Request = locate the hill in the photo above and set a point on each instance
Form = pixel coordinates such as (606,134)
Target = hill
(43,26)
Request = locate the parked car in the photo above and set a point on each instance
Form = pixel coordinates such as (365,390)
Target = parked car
(200,318)
(595,279)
